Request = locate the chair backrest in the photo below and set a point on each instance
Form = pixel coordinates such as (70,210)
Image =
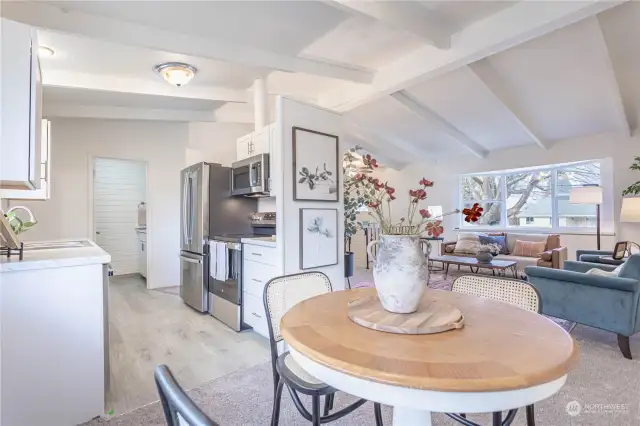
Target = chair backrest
(631,267)
(179,409)
(516,292)
(282,293)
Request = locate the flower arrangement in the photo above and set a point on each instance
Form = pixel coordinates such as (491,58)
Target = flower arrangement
(491,248)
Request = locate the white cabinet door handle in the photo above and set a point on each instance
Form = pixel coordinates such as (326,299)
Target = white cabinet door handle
(256,254)
(258,281)
(256,315)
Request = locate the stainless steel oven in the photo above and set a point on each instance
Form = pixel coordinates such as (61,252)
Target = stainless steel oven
(225,296)
(250,177)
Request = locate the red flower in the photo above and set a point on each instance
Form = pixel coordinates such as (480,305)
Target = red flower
(426,183)
(369,161)
(374,163)
(379,185)
(358,177)
(420,194)
(425,213)
(435,229)
(374,204)
(473,214)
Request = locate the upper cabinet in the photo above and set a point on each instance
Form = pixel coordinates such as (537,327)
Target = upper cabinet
(21,112)
(44,192)
(253,144)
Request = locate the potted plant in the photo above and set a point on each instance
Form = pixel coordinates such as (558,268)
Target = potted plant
(486,252)
(400,267)
(356,195)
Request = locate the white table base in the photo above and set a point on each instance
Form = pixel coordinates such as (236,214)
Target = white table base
(413,407)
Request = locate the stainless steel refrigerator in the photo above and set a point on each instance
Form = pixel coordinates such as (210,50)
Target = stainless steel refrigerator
(207,208)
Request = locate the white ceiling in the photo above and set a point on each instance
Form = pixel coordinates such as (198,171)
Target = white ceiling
(465,76)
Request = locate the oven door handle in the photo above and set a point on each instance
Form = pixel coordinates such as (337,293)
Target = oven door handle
(190,260)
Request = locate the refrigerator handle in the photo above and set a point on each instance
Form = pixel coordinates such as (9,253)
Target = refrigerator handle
(184,211)
(191,210)
(190,260)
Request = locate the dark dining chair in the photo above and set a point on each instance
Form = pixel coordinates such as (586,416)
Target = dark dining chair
(280,294)
(179,409)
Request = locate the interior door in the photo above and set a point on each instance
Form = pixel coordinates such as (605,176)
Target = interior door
(118,187)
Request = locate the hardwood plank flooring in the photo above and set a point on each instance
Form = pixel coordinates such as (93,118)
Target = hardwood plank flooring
(149,327)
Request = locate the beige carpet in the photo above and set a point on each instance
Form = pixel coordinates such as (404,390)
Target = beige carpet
(606,385)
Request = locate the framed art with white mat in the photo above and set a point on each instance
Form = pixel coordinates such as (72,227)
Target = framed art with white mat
(315,165)
(318,238)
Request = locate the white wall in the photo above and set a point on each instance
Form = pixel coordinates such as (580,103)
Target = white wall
(291,113)
(214,142)
(620,149)
(67,214)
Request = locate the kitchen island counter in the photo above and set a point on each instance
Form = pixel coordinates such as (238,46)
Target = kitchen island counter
(63,253)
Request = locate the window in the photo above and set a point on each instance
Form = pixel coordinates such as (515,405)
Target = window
(531,198)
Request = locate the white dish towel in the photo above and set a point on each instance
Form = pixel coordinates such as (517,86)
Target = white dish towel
(221,261)
(213,252)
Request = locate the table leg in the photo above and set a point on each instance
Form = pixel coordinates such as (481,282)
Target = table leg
(403,416)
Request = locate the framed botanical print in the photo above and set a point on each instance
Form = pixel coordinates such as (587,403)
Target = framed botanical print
(315,165)
(318,238)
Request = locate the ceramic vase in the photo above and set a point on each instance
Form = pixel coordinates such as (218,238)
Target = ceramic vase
(400,272)
(484,257)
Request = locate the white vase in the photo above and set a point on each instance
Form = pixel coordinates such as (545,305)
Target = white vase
(400,272)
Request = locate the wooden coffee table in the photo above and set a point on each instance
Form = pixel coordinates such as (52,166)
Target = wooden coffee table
(472,262)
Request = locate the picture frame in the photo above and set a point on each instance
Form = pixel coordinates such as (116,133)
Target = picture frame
(318,238)
(315,166)
(620,250)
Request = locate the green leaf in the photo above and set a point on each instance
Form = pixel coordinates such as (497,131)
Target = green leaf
(302,180)
(305,170)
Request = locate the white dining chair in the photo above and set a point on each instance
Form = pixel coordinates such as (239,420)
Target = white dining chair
(280,295)
(515,292)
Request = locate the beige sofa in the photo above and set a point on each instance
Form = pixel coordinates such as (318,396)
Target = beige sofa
(553,256)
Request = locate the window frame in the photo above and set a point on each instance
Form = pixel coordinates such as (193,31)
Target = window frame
(555,219)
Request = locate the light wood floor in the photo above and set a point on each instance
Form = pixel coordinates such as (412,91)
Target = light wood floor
(150,327)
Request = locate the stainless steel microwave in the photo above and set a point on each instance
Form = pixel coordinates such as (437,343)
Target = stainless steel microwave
(250,177)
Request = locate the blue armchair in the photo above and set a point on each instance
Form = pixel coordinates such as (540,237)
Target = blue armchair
(594,256)
(608,303)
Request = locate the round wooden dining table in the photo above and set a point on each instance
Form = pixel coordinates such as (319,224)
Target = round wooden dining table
(503,358)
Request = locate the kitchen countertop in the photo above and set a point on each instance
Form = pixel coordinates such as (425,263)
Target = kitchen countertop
(48,258)
(260,241)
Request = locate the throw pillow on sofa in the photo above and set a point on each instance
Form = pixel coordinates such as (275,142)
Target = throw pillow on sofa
(467,243)
(528,248)
(500,241)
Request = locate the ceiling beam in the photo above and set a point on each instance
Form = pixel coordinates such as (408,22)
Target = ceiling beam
(510,27)
(600,48)
(500,95)
(140,86)
(353,140)
(117,31)
(67,110)
(388,144)
(405,16)
(434,120)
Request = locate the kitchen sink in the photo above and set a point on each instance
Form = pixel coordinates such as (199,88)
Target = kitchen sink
(52,245)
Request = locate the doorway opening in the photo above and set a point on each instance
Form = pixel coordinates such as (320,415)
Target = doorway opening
(119,213)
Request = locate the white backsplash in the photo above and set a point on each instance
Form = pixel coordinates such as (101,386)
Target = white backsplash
(267,204)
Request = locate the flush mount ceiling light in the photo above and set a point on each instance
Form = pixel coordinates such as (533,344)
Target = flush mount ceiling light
(44,51)
(176,73)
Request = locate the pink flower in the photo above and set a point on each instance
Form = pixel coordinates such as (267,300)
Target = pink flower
(425,213)
(426,182)
(374,204)
(435,229)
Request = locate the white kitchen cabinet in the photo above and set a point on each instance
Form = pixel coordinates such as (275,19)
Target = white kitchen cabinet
(259,266)
(254,143)
(21,112)
(142,252)
(44,192)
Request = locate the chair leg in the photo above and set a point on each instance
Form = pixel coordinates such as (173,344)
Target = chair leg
(315,413)
(275,415)
(531,419)
(623,344)
(333,398)
(377,410)
(497,418)
(327,405)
